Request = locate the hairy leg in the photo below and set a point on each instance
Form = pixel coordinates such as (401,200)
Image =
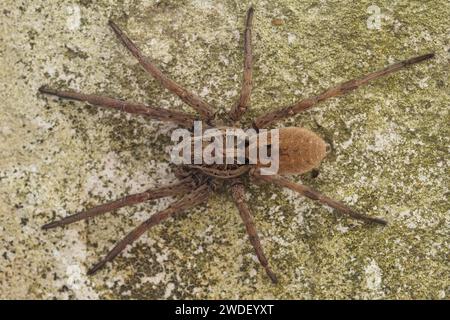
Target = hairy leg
(205,110)
(241,106)
(238,193)
(174,189)
(341,89)
(190,200)
(316,196)
(180,118)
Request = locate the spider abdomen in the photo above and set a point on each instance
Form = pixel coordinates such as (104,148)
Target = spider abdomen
(300,150)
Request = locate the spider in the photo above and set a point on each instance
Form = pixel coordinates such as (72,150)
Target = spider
(300,150)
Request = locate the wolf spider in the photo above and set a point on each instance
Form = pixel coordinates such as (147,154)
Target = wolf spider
(300,149)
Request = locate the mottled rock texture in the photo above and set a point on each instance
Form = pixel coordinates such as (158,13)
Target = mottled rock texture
(389,152)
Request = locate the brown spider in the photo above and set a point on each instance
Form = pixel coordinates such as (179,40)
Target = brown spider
(300,150)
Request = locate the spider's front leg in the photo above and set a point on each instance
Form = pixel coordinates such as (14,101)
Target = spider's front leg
(238,193)
(180,118)
(190,200)
(181,187)
(201,106)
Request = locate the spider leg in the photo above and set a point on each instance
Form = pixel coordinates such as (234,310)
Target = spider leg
(241,106)
(190,200)
(166,191)
(316,196)
(181,118)
(341,89)
(191,99)
(238,193)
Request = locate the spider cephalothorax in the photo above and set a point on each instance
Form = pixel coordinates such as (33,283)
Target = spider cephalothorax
(300,150)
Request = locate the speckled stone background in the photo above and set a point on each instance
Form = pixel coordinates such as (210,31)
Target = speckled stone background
(390,149)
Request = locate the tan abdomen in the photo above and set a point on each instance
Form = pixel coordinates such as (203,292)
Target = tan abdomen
(300,151)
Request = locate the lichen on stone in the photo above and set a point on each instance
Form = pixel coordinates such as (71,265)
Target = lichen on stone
(389,152)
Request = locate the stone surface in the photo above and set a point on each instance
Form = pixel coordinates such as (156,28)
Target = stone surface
(389,149)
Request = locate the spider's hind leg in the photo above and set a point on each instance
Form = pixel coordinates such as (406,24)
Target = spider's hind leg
(339,90)
(317,196)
